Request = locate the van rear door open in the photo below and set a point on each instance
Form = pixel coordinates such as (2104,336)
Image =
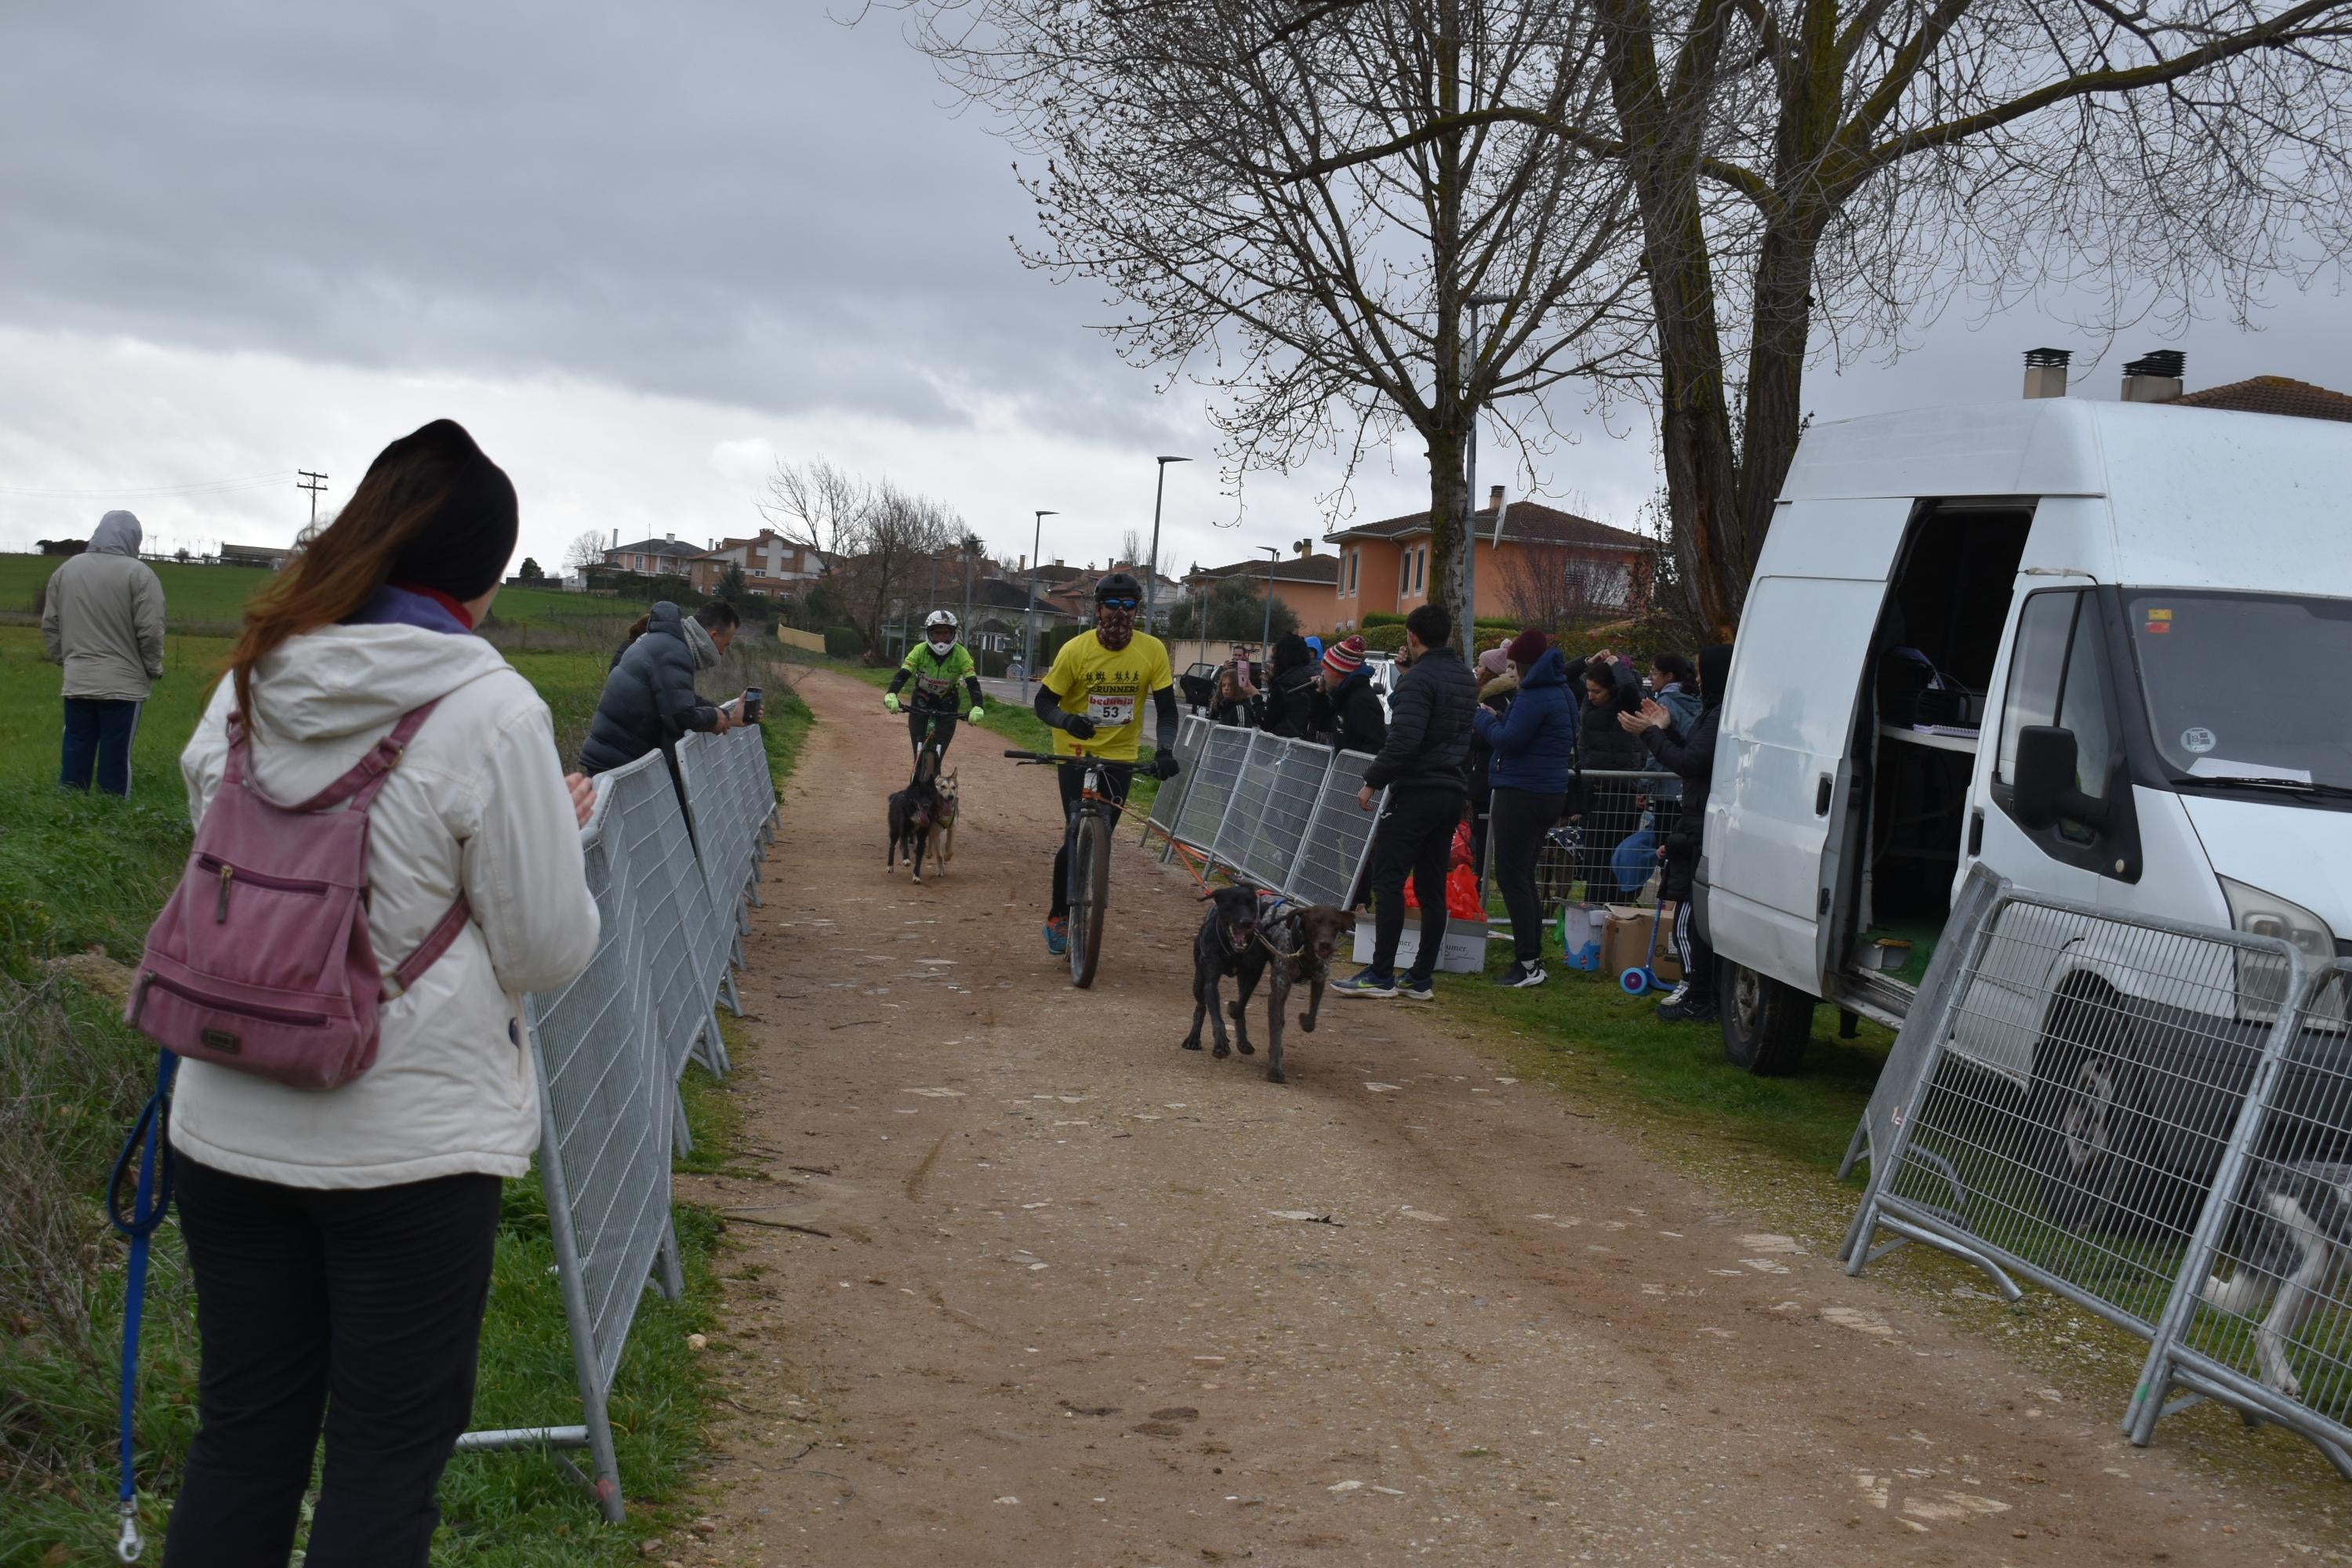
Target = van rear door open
(1784,756)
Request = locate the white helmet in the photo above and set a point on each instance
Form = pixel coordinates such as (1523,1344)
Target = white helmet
(939,626)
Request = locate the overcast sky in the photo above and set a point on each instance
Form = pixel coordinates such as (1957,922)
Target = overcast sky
(641,251)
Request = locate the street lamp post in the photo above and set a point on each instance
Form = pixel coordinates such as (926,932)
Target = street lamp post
(1265,631)
(1029,625)
(1152,574)
(1462,634)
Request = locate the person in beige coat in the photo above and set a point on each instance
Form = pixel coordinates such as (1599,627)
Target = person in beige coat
(102,618)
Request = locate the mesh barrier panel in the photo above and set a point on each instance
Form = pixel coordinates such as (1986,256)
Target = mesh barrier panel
(608,1110)
(1248,803)
(665,882)
(1332,855)
(1604,850)
(1190,734)
(1204,807)
(1295,770)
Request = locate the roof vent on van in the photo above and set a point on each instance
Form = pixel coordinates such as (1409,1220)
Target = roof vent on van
(2046,372)
(2154,377)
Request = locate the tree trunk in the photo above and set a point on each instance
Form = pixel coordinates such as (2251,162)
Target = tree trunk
(1779,331)
(1450,540)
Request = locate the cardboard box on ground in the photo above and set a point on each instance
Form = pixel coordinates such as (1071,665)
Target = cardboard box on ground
(1462,951)
(1625,942)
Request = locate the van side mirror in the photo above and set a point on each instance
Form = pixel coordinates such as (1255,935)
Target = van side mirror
(2041,781)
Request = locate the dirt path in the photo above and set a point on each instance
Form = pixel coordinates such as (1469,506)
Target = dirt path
(1064,1310)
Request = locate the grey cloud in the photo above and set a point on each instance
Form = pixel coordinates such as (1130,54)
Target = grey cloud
(735,202)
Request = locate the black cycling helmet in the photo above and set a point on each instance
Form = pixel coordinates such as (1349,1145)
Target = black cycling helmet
(1118,586)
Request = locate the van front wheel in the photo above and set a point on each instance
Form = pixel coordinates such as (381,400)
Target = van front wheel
(1764,1023)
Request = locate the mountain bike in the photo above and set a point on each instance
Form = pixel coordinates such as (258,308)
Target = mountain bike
(1088,837)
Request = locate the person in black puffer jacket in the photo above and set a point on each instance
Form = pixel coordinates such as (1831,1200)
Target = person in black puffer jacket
(649,699)
(1692,757)
(1422,766)
(1289,702)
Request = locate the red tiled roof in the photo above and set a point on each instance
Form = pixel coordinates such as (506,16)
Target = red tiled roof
(2272,394)
(1290,569)
(1524,522)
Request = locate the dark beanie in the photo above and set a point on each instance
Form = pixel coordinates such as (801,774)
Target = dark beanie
(464,546)
(1526,648)
(1714,672)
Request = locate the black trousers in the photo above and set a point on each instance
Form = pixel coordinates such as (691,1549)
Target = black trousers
(1521,818)
(1416,839)
(98,743)
(363,1307)
(922,719)
(1072,777)
(1697,958)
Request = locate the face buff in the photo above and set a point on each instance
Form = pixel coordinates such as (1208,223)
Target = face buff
(1114,629)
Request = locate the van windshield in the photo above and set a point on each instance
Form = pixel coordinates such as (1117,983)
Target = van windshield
(2247,687)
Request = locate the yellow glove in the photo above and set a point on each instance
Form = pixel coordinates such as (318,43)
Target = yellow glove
(890,700)
(974,715)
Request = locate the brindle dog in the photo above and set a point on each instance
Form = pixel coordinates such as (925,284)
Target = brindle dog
(1300,943)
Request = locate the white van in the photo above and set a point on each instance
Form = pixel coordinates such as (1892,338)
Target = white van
(2103,648)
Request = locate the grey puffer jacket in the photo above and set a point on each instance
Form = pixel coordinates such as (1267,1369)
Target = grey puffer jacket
(102,616)
(1429,726)
(649,699)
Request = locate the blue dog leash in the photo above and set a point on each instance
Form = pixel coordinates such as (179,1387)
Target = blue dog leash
(151,1200)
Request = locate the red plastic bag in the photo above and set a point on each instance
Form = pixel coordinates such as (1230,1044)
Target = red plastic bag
(1462,901)
(1462,847)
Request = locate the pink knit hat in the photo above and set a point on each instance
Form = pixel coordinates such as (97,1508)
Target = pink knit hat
(1341,658)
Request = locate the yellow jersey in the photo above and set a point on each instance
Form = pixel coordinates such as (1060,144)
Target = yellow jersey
(1111,689)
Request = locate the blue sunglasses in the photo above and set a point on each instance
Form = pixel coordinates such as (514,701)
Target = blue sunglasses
(1119,603)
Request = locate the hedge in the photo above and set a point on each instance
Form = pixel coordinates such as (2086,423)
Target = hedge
(844,642)
(1500,626)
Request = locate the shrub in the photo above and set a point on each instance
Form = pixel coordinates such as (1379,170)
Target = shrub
(844,642)
(1386,638)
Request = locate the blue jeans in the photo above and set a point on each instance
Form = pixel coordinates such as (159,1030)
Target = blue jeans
(98,737)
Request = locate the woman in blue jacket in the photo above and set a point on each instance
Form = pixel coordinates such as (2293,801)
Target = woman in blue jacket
(1535,749)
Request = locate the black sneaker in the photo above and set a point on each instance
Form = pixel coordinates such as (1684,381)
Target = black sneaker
(1415,989)
(1519,976)
(1690,1009)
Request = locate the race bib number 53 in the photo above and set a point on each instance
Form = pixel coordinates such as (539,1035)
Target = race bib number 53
(1110,711)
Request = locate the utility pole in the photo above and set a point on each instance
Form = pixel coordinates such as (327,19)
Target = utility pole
(1029,624)
(1151,573)
(314,483)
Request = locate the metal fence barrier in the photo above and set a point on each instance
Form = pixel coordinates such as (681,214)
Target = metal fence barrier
(1604,850)
(1278,812)
(610,1045)
(1190,734)
(2150,1118)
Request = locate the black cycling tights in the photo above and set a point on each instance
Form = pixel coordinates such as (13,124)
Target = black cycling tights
(919,719)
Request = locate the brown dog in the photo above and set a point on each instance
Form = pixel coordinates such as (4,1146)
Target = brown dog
(943,821)
(1300,942)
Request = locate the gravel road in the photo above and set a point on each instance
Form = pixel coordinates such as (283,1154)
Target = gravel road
(1015,1280)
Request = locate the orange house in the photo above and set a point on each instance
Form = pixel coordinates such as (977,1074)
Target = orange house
(1307,584)
(1544,565)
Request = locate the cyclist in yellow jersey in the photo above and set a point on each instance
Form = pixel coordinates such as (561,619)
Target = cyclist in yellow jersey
(1093,701)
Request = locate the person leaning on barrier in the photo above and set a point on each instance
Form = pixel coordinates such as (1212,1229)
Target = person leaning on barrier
(1534,749)
(1497,684)
(1348,713)
(1606,809)
(649,699)
(341,1239)
(1692,757)
(1235,701)
(103,619)
(1288,709)
(1420,766)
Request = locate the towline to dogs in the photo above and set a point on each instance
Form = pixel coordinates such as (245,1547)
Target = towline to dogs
(1025,1282)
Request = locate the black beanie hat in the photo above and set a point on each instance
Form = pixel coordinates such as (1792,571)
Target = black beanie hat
(1713,671)
(464,546)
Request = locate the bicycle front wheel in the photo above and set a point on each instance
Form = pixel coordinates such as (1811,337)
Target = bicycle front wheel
(1089,895)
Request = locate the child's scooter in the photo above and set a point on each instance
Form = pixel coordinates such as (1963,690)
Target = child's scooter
(1643,976)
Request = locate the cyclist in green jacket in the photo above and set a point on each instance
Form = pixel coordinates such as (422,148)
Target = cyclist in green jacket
(936,665)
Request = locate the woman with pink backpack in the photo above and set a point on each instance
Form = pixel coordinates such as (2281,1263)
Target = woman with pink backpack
(387,858)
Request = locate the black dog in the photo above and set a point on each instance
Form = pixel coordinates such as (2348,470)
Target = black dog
(1227,945)
(1301,941)
(912,812)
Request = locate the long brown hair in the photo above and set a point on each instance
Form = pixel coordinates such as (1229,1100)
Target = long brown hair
(340,570)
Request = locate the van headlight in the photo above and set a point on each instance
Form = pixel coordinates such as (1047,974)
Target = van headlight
(2262,980)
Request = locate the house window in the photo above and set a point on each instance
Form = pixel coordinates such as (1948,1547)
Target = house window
(1420,567)
(1354,556)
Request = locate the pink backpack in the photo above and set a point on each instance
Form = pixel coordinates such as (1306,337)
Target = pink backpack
(261,961)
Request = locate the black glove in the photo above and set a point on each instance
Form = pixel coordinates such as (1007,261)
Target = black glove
(1077,726)
(1164,765)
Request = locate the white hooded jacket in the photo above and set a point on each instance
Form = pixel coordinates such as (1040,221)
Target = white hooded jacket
(477,802)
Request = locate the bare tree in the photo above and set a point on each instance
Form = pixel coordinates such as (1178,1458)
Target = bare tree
(1301,217)
(1816,177)
(875,539)
(1132,547)
(1554,581)
(586,550)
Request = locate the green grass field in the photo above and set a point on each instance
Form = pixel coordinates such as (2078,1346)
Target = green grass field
(83,871)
